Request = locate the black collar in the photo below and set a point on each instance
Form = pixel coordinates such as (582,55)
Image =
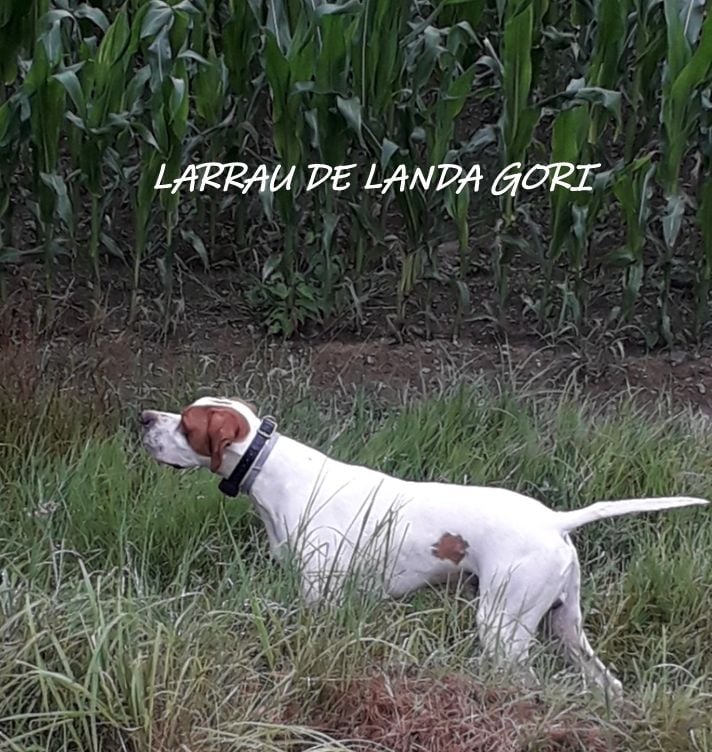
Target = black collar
(230,486)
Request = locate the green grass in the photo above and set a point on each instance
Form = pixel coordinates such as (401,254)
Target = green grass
(140,610)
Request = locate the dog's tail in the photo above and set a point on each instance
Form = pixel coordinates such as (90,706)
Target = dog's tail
(568,521)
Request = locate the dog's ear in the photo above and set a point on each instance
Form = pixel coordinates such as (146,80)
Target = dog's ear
(225,426)
(210,430)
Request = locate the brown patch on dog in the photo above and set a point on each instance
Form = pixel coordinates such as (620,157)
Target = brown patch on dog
(210,430)
(450,547)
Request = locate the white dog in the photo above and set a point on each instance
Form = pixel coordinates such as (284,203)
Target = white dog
(331,514)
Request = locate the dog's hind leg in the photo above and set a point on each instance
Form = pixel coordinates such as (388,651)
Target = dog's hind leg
(566,623)
(510,610)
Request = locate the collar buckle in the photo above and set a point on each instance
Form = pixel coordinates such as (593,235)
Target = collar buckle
(267,427)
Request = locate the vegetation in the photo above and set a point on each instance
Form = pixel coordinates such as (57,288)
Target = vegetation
(139,609)
(96,96)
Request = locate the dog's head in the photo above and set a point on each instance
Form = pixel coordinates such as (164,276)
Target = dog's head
(211,432)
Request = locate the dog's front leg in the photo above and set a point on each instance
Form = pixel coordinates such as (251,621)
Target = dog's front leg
(320,574)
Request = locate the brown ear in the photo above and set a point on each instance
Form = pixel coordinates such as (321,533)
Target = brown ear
(210,430)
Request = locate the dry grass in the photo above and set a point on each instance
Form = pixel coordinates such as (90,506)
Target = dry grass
(408,713)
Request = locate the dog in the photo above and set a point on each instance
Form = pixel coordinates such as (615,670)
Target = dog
(338,518)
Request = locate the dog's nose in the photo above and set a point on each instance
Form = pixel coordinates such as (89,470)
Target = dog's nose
(147,418)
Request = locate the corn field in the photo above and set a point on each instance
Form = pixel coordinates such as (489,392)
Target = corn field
(96,98)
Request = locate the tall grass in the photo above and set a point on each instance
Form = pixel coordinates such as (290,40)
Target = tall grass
(95,97)
(140,610)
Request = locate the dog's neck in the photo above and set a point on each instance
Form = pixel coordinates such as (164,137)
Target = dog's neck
(285,483)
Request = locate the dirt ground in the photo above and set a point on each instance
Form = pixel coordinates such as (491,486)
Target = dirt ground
(91,348)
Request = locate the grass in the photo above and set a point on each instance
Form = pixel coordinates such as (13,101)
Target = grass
(139,609)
